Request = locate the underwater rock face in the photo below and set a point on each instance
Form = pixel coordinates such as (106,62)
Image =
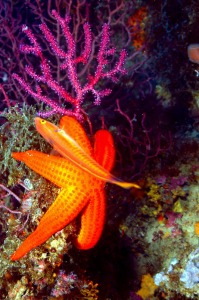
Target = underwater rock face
(190,276)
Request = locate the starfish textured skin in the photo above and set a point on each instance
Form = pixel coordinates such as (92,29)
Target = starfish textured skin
(68,147)
(80,191)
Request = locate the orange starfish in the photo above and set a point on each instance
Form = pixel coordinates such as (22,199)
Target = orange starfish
(61,140)
(81,191)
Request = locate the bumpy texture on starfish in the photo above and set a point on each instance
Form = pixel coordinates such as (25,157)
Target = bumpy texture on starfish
(80,190)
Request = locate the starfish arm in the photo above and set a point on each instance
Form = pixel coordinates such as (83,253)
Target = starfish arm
(92,221)
(93,215)
(104,149)
(58,170)
(74,129)
(65,208)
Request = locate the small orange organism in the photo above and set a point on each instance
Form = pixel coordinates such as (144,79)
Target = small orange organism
(193,53)
(196,228)
(137,24)
(148,287)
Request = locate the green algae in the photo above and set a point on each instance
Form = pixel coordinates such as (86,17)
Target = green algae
(18,134)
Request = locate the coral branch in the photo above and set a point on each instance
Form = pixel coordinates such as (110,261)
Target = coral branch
(9,192)
(143,143)
(69,62)
(6,99)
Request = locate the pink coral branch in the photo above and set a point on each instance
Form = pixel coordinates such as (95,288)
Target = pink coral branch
(146,145)
(10,210)
(6,99)
(16,212)
(9,192)
(69,63)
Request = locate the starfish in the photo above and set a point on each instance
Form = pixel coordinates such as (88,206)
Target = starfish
(80,190)
(61,140)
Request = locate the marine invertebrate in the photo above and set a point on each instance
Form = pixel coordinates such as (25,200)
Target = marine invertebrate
(142,141)
(64,284)
(90,291)
(11,60)
(61,140)
(193,53)
(70,63)
(196,228)
(137,23)
(80,189)
(148,287)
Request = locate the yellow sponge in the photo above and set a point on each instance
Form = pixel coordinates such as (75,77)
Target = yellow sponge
(148,287)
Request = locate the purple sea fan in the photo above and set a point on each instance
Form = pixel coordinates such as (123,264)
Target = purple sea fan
(69,62)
